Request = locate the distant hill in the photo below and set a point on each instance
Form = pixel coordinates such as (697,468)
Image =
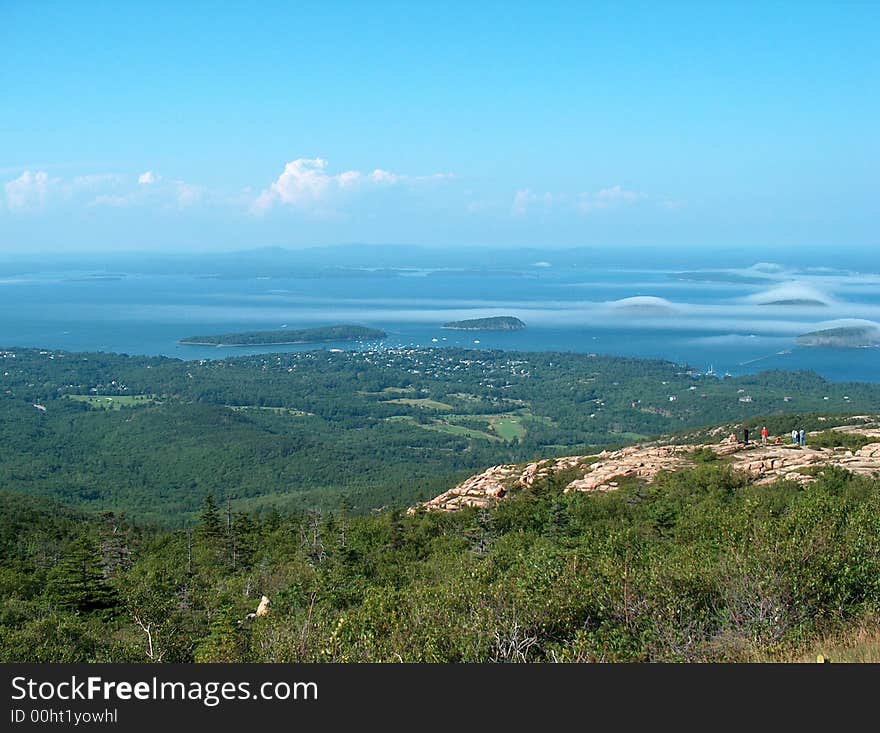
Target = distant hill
(845,337)
(495,323)
(287,336)
(796,301)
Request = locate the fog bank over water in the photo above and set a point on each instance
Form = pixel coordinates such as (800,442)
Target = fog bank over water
(736,319)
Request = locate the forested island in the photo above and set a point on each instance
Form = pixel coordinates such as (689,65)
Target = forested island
(495,323)
(845,337)
(286,336)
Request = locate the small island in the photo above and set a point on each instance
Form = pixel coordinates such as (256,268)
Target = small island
(797,301)
(287,336)
(495,323)
(845,337)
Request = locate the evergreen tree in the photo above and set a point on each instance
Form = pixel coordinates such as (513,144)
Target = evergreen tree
(225,641)
(243,541)
(209,519)
(78,581)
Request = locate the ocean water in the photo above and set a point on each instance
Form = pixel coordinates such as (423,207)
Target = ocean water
(729,321)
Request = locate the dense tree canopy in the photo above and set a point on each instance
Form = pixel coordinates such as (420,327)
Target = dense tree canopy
(153,436)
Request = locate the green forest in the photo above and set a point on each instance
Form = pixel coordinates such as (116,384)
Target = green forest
(147,505)
(151,436)
(699,566)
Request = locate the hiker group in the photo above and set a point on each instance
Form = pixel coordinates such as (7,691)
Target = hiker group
(798,437)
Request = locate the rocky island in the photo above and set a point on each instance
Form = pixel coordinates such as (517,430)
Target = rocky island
(845,337)
(287,336)
(495,323)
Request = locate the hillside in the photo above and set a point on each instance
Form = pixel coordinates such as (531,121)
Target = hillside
(703,563)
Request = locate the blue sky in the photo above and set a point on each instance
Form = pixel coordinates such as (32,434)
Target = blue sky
(223,126)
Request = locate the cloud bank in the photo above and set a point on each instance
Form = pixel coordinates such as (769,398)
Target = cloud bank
(34,191)
(585,202)
(305,184)
(29,191)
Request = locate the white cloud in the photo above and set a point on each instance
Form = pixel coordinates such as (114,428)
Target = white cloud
(348,179)
(115,200)
(187,194)
(606,198)
(303,181)
(306,184)
(611,197)
(34,190)
(29,190)
(525,199)
(380,176)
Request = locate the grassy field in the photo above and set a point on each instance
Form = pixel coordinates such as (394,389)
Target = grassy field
(508,428)
(113,402)
(453,429)
(445,426)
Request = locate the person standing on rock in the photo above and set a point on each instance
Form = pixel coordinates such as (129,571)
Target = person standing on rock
(794,436)
(746,436)
(803,438)
(764,434)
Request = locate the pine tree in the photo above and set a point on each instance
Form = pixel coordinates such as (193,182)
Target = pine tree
(209,519)
(78,581)
(243,541)
(225,641)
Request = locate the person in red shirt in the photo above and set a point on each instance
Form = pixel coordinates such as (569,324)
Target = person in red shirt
(764,435)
